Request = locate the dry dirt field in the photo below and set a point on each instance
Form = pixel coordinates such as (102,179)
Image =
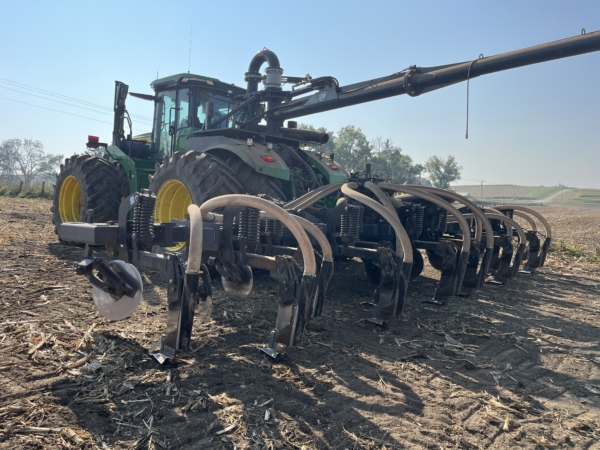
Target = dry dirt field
(515,366)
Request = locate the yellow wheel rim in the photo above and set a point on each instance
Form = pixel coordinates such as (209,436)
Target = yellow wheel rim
(172,201)
(70,200)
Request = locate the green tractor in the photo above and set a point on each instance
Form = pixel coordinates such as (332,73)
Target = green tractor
(190,156)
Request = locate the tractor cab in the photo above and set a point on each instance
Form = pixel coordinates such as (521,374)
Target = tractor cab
(185,103)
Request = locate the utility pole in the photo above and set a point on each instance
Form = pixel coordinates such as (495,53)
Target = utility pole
(481,193)
(515,194)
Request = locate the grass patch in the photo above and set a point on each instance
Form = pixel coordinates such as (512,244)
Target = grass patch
(579,197)
(33,191)
(570,250)
(542,192)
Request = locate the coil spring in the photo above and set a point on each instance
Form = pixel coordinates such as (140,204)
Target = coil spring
(243,224)
(419,217)
(143,218)
(249,225)
(351,222)
(442,219)
(410,224)
(361,215)
(253,225)
(274,228)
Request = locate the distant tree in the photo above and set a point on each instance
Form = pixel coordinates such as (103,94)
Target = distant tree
(9,155)
(442,172)
(352,148)
(325,148)
(390,162)
(26,159)
(94,151)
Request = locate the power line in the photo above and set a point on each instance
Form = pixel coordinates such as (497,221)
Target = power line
(58,101)
(64,112)
(65,97)
(54,94)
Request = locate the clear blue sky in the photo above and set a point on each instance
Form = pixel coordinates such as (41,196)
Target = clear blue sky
(532,126)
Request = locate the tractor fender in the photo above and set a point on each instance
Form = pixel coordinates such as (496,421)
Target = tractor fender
(223,147)
(333,171)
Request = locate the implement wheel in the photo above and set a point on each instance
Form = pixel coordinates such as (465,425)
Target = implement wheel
(88,182)
(183,179)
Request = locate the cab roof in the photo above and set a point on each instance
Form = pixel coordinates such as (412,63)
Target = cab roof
(184,79)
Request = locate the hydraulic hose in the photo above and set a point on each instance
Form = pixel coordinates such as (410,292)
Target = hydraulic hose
(502,217)
(313,197)
(385,201)
(527,218)
(311,228)
(392,219)
(534,213)
(511,222)
(196,214)
(482,221)
(466,244)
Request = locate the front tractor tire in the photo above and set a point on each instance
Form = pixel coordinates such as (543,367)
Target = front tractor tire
(85,183)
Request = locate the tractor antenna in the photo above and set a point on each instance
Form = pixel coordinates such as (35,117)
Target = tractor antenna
(190,53)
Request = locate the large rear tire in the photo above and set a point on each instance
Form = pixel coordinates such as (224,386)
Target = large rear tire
(255,183)
(88,182)
(183,179)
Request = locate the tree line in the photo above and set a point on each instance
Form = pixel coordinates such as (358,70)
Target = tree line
(25,160)
(353,149)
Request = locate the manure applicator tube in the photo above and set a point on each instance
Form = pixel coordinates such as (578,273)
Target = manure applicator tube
(385,201)
(197,214)
(391,217)
(466,243)
(312,229)
(313,197)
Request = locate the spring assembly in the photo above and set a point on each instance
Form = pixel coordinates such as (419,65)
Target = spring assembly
(274,228)
(411,224)
(249,225)
(419,216)
(442,219)
(351,222)
(253,225)
(345,223)
(361,215)
(243,224)
(143,219)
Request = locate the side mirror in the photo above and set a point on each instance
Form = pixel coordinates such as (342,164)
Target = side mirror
(121,90)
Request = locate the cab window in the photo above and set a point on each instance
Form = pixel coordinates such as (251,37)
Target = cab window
(222,106)
(183,106)
(165,116)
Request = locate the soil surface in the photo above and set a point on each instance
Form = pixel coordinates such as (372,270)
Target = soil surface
(513,366)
